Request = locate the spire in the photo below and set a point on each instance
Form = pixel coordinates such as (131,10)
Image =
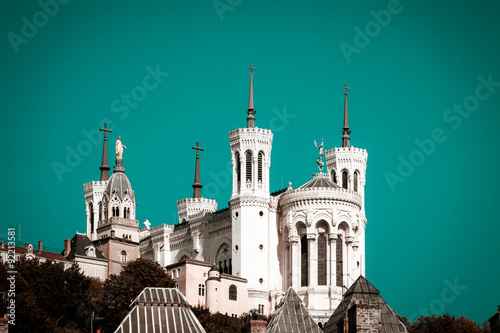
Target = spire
(251,111)
(346,131)
(197,185)
(104,167)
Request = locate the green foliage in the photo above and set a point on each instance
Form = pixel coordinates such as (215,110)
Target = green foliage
(120,290)
(444,324)
(216,322)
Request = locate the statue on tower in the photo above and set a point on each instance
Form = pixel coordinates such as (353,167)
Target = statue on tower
(119,148)
(319,161)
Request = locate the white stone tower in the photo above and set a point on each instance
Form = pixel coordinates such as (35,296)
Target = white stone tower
(253,218)
(347,168)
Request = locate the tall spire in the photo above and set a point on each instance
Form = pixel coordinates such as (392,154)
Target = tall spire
(104,167)
(251,111)
(346,139)
(197,185)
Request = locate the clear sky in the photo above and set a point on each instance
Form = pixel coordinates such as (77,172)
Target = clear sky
(424,102)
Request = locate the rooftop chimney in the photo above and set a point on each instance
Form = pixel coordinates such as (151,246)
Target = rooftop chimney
(39,247)
(67,247)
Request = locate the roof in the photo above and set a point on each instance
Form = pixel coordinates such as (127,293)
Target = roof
(320,179)
(292,316)
(119,184)
(160,310)
(79,244)
(363,290)
(42,254)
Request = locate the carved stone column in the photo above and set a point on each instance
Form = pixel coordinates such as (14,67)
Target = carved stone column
(333,259)
(313,260)
(295,262)
(287,270)
(348,258)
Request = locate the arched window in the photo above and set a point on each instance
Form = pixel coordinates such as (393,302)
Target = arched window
(233,293)
(259,169)
(91,212)
(230,266)
(100,211)
(248,161)
(322,260)
(238,166)
(340,263)
(124,212)
(344,179)
(304,260)
(201,290)
(334,177)
(221,270)
(124,257)
(356,181)
(226,268)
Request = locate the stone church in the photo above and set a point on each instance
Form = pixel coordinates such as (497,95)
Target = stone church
(310,238)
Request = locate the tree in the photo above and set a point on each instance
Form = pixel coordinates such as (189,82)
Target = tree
(216,322)
(444,324)
(120,290)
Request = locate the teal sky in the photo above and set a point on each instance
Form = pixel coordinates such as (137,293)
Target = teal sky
(435,225)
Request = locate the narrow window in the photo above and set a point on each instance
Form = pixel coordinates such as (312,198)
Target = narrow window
(225,267)
(303,262)
(322,260)
(238,166)
(91,212)
(100,211)
(248,161)
(230,267)
(356,181)
(334,177)
(259,171)
(201,290)
(344,179)
(124,257)
(125,212)
(340,263)
(220,267)
(233,293)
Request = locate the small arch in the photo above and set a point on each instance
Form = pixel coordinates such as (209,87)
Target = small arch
(345,177)
(123,256)
(248,164)
(238,166)
(334,176)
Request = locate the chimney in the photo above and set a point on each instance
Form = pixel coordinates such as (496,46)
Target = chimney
(26,245)
(39,247)
(67,247)
(364,318)
(1,245)
(112,234)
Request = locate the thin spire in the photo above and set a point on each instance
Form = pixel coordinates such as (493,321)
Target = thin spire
(197,184)
(346,139)
(105,167)
(251,111)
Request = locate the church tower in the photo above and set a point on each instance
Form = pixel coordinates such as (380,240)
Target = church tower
(347,168)
(251,211)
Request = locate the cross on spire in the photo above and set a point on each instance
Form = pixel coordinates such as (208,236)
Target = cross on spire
(104,167)
(251,68)
(345,87)
(197,184)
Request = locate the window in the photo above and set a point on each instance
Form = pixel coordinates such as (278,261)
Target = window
(261,309)
(344,179)
(124,257)
(238,166)
(248,166)
(334,177)
(356,181)
(100,211)
(84,269)
(233,293)
(340,266)
(322,260)
(201,290)
(91,217)
(259,163)
(204,274)
(176,286)
(98,272)
(304,259)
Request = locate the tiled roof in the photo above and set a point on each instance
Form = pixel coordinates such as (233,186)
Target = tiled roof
(363,290)
(292,316)
(78,245)
(48,255)
(320,180)
(160,310)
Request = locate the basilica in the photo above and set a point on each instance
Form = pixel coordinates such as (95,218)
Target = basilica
(246,256)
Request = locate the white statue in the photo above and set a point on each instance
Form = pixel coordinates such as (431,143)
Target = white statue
(319,161)
(119,148)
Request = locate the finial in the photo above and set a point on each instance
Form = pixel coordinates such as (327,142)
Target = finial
(197,184)
(251,111)
(346,139)
(119,155)
(104,165)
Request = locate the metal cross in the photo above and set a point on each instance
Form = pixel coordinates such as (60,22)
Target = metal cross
(105,129)
(345,88)
(197,146)
(251,68)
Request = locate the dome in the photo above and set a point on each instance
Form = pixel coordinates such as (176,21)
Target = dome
(119,184)
(320,180)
